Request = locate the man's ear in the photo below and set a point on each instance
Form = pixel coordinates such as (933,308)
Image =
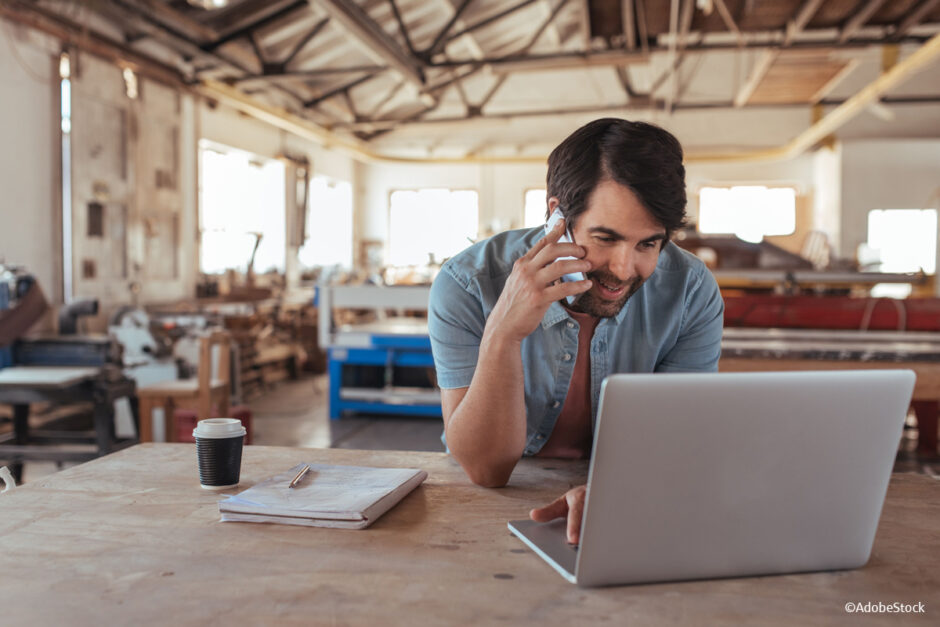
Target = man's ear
(553,202)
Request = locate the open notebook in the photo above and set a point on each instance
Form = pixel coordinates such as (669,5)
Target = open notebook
(348,497)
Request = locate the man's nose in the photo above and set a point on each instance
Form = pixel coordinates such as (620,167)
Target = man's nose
(623,262)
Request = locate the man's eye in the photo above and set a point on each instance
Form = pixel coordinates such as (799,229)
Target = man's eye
(647,245)
(606,240)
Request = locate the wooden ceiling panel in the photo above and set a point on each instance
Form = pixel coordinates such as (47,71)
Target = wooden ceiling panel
(796,78)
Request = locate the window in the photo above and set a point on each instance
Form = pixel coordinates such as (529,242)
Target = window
(902,240)
(535,205)
(749,211)
(329,224)
(241,198)
(430,224)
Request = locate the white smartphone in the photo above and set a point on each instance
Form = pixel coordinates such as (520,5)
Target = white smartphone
(566,238)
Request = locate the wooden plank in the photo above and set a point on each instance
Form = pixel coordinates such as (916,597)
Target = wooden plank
(132,537)
(796,78)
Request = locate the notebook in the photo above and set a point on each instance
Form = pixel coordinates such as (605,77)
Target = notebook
(346,497)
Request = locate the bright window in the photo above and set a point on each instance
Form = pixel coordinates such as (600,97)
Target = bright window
(430,224)
(535,205)
(329,224)
(749,211)
(241,197)
(905,239)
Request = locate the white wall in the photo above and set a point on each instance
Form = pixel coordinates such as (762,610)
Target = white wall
(29,155)
(886,174)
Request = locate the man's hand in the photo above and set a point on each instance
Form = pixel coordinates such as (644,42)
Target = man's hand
(570,504)
(534,285)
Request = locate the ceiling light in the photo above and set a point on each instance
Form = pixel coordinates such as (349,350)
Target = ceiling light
(208,5)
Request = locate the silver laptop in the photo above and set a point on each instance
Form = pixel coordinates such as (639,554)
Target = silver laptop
(697,476)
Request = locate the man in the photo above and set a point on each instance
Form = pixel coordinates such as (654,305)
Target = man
(519,367)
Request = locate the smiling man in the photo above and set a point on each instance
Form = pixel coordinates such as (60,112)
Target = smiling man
(520,368)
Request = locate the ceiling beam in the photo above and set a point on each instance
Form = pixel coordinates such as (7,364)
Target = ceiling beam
(165,14)
(528,46)
(764,62)
(373,38)
(803,17)
(307,74)
(402,28)
(728,19)
(180,43)
(919,59)
(340,90)
(761,66)
(628,17)
(859,18)
(823,91)
(250,28)
(642,103)
(546,8)
(73,35)
(489,20)
(567,60)
(914,17)
(306,39)
(438,44)
(642,27)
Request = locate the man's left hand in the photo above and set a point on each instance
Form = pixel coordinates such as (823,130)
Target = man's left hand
(570,504)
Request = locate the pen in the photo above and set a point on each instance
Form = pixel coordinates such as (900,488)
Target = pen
(299,475)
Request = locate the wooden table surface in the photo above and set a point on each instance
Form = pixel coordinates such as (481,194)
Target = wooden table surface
(131,538)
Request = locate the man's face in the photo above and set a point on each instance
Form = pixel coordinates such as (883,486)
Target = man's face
(623,242)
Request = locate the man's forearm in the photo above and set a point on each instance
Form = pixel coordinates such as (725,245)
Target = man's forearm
(486,432)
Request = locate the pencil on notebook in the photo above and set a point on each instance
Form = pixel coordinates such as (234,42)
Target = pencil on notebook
(300,475)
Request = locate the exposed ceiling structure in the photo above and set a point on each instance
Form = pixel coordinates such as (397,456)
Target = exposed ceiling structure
(460,78)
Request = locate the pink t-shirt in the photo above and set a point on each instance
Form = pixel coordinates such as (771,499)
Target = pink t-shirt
(573,434)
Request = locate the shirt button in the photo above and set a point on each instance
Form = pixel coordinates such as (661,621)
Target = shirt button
(539,437)
(567,356)
(556,404)
(570,324)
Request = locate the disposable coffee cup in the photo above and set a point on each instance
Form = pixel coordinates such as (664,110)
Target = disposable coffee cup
(219,452)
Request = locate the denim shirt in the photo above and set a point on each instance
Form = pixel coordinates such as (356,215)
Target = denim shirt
(673,323)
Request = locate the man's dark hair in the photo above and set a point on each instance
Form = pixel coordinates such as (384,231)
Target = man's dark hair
(640,156)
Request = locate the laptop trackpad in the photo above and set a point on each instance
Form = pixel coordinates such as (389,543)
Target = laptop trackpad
(549,540)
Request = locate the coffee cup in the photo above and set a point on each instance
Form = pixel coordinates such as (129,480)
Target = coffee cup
(219,452)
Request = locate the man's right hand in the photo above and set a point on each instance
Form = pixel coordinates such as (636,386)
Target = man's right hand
(570,506)
(535,283)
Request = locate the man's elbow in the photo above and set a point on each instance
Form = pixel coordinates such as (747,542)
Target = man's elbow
(490,474)
(488,478)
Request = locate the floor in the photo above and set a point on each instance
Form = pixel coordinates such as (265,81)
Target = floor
(294,413)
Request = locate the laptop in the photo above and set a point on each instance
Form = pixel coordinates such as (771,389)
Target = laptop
(700,476)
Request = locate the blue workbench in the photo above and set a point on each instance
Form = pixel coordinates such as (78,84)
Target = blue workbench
(401,343)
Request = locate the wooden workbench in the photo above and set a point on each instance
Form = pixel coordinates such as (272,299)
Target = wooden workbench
(131,538)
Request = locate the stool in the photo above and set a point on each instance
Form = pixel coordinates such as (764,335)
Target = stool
(186,419)
(204,391)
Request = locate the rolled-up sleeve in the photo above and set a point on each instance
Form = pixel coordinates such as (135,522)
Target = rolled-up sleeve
(699,344)
(455,326)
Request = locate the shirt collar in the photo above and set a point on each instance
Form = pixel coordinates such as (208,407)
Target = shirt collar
(554,314)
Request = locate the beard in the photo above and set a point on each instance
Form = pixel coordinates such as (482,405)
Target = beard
(591,304)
